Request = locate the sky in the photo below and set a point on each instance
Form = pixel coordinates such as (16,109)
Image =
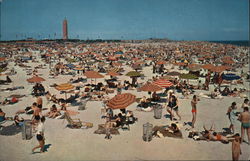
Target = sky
(126,19)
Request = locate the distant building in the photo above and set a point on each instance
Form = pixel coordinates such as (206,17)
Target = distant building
(65,29)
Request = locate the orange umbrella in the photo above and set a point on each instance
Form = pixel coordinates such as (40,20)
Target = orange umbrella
(219,69)
(228,61)
(64,87)
(112,73)
(150,87)
(93,74)
(208,66)
(121,101)
(35,79)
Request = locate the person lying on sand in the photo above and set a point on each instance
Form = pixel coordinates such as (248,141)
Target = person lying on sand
(53,113)
(18,121)
(11,100)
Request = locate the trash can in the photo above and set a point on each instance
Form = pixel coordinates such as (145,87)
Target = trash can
(83,103)
(147,132)
(27,130)
(157,111)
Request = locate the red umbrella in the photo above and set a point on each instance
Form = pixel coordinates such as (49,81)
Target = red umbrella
(35,79)
(121,101)
(112,73)
(163,83)
(151,87)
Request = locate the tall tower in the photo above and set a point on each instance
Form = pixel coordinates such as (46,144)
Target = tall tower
(65,29)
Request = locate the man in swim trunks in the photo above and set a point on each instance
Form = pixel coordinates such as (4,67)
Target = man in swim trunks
(194,109)
(245,123)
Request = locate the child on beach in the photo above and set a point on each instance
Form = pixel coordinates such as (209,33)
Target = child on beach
(236,150)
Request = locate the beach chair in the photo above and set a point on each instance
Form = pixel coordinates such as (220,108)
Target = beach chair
(77,123)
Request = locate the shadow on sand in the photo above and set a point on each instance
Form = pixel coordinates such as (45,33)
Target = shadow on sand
(46,147)
(10,130)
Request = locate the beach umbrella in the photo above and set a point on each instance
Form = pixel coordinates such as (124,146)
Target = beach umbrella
(93,74)
(64,87)
(219,69)
(167,77)
(174,73)
(230,77)
(163,83)
(35,79)
(133,74)
(188,76)
(150,87)
(208,66)
(121,101)
(113,74)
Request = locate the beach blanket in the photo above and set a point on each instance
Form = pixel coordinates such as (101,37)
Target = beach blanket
(102,130)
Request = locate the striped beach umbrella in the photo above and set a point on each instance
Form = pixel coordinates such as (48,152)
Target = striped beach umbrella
(163,83)
(121,101)
(150,87)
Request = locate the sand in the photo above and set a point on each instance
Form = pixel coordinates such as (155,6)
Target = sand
(82,144)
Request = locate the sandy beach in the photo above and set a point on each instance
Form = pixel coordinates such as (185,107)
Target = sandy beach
(63,143)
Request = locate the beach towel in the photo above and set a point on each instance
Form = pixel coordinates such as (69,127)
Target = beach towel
(101,130)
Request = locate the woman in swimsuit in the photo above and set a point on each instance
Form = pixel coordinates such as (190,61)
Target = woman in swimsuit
(194,109)
(173,105)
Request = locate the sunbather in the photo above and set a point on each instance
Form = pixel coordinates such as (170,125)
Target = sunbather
(2,115)
(18,121)
(53,113)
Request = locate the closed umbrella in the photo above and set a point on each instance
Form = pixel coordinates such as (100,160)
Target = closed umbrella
(121,101)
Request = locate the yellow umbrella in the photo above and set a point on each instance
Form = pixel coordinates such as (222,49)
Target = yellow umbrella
(64,87)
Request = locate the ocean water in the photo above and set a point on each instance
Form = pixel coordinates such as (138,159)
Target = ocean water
(238,43)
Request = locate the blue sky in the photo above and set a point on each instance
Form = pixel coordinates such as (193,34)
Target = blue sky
(126,19)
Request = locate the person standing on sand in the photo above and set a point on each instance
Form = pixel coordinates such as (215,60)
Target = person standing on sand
(231,112)
(194,102)
(245,103)
(40,136)
(39,102)
(236,150)
(245,123)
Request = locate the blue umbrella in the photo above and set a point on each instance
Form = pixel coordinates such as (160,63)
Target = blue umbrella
(71,66)
(230,77)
